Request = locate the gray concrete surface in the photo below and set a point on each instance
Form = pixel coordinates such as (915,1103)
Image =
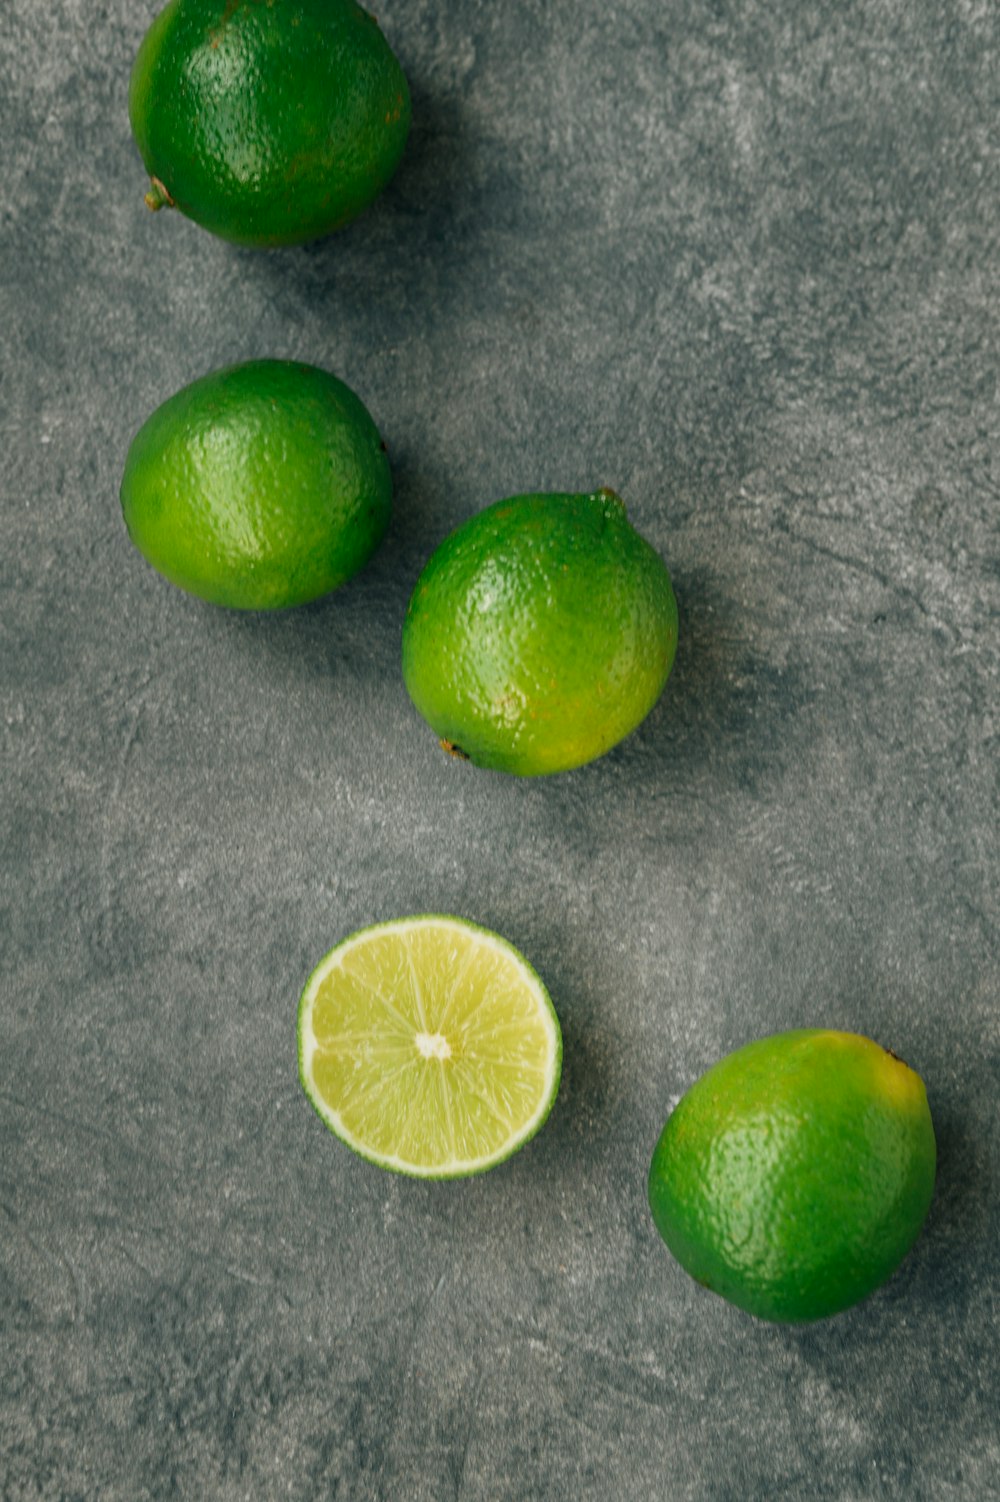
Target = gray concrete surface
(741,262)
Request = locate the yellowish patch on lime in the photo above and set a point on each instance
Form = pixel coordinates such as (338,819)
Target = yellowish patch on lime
(896,1080)
(429,1045)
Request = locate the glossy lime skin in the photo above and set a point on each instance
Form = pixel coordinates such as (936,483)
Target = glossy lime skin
(269,122)
(795,1175)
(259,486)
(540,633)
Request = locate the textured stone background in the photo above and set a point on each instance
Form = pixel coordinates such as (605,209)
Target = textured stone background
(740,261)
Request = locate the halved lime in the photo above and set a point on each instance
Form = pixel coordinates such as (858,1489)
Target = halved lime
(429,1046)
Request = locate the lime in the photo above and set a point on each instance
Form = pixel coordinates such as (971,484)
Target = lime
(268,124)
(540,633)
(429,1046)
(795,1175)
(261,485)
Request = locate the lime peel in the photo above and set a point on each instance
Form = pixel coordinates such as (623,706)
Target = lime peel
(793,1177)
(540,633)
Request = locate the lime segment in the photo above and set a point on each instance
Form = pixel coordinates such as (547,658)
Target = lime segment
(429,1046)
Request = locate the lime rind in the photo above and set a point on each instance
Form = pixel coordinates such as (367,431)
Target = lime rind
(543,1012)
(540,633)
(795,1174)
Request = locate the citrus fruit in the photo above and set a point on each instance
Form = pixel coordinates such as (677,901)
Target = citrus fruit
(268,124)
(540,633)
(429,1046)
(795,1175)
(259,486)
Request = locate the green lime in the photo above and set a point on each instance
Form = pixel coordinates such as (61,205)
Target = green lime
(540,633)
(795,1175)
(261,485)
(429,1046)
(268,124)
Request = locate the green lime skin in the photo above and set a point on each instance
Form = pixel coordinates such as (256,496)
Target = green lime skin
(540,634)
(268,122)
(795,1175)
(260,486)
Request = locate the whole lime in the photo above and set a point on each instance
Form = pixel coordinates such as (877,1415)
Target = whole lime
(795,1175)
(259,486)
(540,633)
(268,124)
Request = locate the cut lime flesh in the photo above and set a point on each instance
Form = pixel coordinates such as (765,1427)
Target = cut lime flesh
(429,1046)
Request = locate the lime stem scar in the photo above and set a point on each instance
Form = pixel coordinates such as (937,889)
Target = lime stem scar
(158,196)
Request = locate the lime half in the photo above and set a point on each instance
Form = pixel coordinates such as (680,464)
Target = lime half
(429,1046)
